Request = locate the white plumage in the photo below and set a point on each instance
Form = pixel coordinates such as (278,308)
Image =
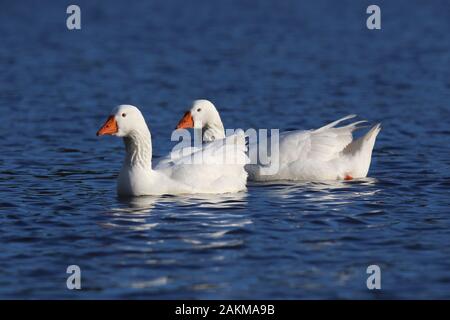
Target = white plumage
(178,175)
(327,153)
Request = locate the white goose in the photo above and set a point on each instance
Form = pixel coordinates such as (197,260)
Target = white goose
(327,153)
(137,177)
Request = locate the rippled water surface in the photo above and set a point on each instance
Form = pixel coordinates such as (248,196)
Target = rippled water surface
(283,64)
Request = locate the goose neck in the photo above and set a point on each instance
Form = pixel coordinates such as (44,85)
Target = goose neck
(213,131)
(138,147)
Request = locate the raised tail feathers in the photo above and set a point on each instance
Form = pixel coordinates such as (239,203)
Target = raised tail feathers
(359,153)
(334,123)
(372,134)
(366,142)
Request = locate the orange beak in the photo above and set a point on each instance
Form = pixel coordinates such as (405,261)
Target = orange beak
(186,121)
(110,127)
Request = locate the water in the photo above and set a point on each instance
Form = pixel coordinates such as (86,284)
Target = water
(286,65)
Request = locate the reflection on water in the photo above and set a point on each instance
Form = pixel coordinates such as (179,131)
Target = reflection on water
(213,216)
(137,204)
(324,191)
(145,204)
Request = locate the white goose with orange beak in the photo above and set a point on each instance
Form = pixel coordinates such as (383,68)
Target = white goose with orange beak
(138,178)
(327,153)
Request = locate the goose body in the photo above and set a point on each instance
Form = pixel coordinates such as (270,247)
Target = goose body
(327,153)
(181,175)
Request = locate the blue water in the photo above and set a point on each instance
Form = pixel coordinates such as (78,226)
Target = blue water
(281,64)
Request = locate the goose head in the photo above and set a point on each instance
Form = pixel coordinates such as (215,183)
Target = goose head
(203,115)
(123,122)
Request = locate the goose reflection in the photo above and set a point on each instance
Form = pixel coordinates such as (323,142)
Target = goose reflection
(136,212)
(335,191)
(145,204)
(137,205)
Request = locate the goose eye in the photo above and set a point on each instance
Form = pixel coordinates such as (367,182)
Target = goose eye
(124,115)
(199,109)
